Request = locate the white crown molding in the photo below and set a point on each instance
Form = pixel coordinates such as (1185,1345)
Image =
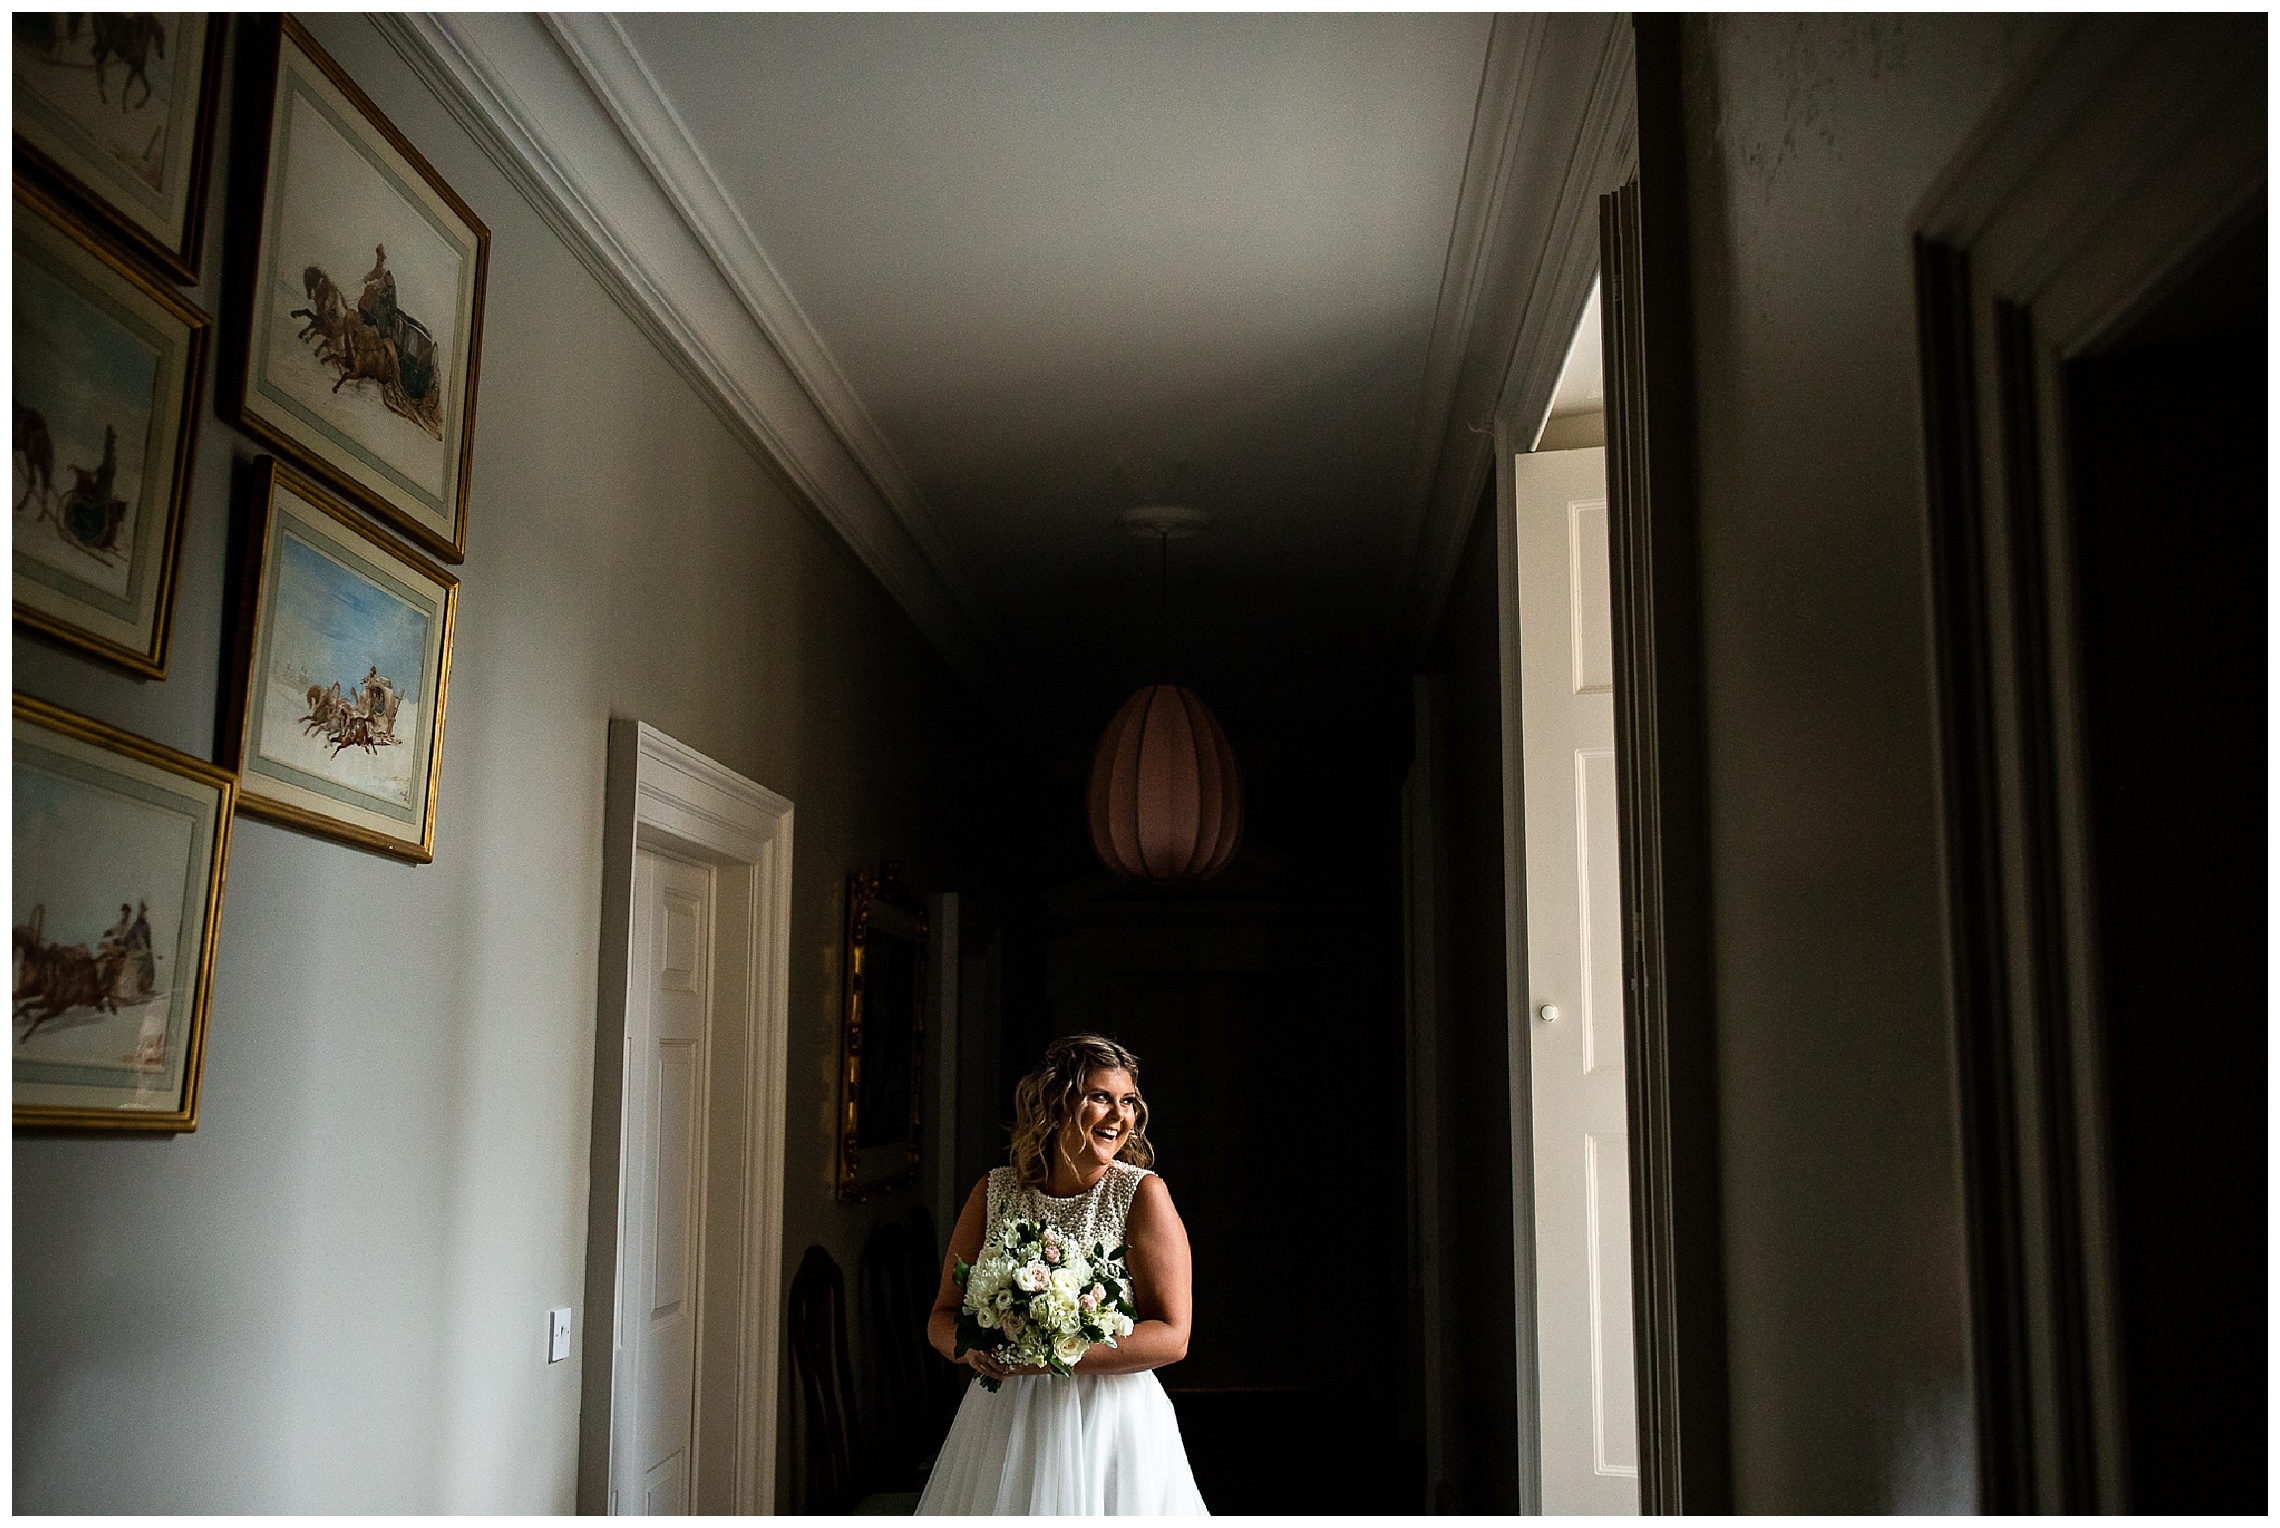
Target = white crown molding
(616,73)
(573,117)
(1554,130)
(1513,42)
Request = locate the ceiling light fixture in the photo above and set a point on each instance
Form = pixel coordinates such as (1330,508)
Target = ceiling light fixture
(1165,802)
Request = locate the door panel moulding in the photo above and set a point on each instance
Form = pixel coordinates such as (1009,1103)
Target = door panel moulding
(570,114)
(1553,130)
(2129,145)
(663,795)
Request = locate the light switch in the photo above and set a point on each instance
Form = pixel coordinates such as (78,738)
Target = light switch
(558,1335)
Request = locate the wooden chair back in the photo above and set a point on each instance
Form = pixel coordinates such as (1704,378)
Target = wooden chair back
(897,1357)
(818,1321)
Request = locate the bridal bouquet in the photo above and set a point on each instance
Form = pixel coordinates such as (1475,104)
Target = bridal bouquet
(1039,1299)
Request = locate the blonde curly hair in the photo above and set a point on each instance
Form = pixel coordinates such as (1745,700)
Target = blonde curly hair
(1047,1098)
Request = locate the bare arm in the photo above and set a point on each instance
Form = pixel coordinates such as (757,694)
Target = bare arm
(942,1321)
(1156,1255)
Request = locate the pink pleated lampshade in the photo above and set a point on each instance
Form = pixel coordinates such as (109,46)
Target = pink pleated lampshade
(1165,802)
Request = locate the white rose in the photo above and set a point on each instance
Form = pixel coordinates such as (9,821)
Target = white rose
(1065,1283)
(1070,1347)
(1123,1324)
(986,1318)
(1031,1277)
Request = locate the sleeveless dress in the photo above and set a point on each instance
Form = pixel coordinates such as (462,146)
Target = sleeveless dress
(1078,1445)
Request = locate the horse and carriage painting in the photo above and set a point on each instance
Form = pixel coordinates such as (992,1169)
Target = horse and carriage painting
(86,380)
(90,514)
(341,720)
(376,341)
(119,851)
(363,718)
(53,979)
(108,366)
(119,106)
(367,304)
(129,42)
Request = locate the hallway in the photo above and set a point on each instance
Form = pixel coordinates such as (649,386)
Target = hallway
(837,376)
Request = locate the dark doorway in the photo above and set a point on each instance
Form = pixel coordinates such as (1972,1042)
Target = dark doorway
(2170,523)
(1264,1006)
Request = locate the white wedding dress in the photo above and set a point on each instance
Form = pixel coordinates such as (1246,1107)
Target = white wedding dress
(1078,1445)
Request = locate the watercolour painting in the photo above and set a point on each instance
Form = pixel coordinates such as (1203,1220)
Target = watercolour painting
(118,107)
(120,848)
(366,307)
(108,368)
(345,668)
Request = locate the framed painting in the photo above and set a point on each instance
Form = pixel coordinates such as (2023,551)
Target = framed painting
(120,850)
(108,365)
(364,300)
(883,1037)
(117,110)
(344,660)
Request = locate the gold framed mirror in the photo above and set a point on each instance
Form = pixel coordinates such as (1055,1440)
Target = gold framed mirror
(883,1035)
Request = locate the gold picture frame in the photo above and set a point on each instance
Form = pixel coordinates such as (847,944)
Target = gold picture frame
(366,378)
(110,368)
(315,745)
(883,1036)
(110,1023)
(133,153)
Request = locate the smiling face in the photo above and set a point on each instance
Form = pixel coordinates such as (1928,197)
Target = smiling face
(1105,1113)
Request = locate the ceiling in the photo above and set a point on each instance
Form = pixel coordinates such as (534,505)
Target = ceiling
(1033,271)
(1075,264)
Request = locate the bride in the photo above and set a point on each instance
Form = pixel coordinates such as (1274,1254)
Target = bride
(1104,1439)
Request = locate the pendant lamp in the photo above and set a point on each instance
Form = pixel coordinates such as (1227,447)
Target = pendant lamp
(1165,802)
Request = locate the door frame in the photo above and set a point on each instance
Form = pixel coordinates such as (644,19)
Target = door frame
(1678,1296)
(664,795)
(2128,148)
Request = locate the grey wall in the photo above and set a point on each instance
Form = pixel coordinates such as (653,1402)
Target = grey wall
(1808,141)
(331,1297)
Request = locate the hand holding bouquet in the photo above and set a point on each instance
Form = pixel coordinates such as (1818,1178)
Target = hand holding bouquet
(1037,1299)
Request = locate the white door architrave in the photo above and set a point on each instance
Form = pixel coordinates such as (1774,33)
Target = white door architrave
(668,798)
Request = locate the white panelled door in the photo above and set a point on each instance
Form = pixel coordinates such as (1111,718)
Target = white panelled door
(1588,1421)
(662,1195)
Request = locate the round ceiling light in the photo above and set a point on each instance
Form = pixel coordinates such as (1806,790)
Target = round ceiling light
(1165,802)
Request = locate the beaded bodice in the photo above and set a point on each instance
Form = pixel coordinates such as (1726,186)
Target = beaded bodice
(1096,1215)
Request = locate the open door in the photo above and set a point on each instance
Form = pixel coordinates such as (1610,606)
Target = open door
(684,1255)
(1586,1408)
